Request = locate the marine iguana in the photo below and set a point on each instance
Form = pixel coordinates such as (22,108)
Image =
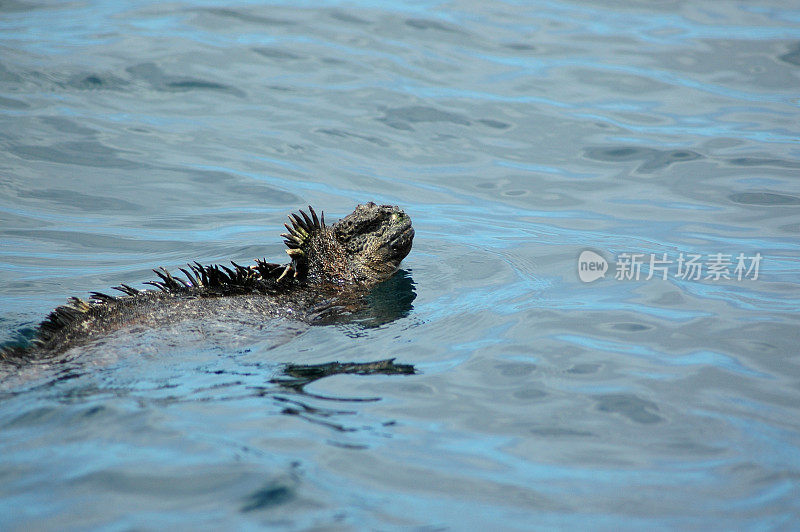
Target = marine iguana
(331,266)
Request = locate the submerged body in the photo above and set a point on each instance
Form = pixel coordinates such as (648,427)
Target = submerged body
(330,268)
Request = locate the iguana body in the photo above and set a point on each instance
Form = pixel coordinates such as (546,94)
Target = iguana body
(330,267)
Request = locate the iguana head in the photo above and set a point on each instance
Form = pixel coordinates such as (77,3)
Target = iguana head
(364,248)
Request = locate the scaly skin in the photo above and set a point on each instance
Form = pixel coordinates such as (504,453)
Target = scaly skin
(330,268)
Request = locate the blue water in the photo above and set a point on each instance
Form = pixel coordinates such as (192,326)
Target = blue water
(516,135)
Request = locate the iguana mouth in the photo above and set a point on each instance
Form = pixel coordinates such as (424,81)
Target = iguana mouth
(400,244)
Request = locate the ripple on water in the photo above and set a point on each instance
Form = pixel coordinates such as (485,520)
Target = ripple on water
(516,135)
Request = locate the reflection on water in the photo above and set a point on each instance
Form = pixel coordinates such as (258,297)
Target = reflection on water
(516,135)
(299,375)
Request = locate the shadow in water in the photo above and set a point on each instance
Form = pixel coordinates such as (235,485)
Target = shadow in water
(297,376)
(388,301)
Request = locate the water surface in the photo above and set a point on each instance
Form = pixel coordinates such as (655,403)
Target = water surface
(516,135)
